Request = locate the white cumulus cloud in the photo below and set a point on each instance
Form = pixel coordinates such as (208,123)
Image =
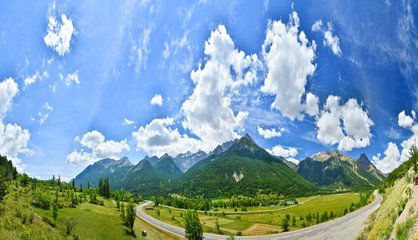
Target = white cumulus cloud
(289,58)
(404,120)
(347,125)
(157,100)
(100,149)
(59,34)
(13,139)
(269,133)
(391,159)
(283,151)
(208,113)
(159,138)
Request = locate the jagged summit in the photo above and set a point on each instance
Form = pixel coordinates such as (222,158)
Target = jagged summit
(365,163)
(165,156)
(322,156)
(245,142)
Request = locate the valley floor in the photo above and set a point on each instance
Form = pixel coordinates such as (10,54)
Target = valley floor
(345,227)
(262,223)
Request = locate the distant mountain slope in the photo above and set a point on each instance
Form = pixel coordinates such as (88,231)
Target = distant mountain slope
(184,161)
(335,169)
(101,169)
(365,163)
(167,168)
(290,164)
(244,168)
(142,177)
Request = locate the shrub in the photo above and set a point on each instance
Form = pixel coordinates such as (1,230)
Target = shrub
(42,200)
(48,220)
(69,225)
(31,216)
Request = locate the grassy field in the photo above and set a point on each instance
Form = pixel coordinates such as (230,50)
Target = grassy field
(92,221)
(261,223)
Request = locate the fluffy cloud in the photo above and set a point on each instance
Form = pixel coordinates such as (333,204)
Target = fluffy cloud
(330,40)
(311,107)
(158,138)
(72,77)
(404,120)
(390,161)
(44,113)
(157,100)
(100,149)
(290,61)
(59,34)
(269,133)
(207,111)
(13,139)
(348,124)
(283,152)
(8,89)
(80,158)
(408,122)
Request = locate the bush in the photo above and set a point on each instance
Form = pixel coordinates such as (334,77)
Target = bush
(48,220)
(402,230)
(69,225)
(31,216)
(42,200)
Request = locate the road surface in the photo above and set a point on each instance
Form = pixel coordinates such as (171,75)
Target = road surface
(346,227)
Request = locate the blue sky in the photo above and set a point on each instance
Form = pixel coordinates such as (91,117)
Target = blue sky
(81,81)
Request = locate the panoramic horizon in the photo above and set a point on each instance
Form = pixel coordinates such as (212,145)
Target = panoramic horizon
(84,82)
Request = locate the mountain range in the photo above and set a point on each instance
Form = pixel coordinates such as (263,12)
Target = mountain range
(235,167)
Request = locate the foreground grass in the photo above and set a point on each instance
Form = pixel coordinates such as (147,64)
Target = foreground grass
(261,223)
(396,215)
(92,221)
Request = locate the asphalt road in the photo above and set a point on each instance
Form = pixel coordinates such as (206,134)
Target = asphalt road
(347,227)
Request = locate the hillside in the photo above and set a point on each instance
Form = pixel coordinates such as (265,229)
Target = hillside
(365,163)
(397,216)
(167,168)
(101,169)
(26,211)
(244,168)
(142,177)
(335,169)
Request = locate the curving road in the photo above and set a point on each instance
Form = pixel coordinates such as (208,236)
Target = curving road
(346,227)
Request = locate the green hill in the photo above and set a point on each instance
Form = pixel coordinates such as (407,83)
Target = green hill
(142,177)
(335,169)
(244,168)
(167,168)
(102,169)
